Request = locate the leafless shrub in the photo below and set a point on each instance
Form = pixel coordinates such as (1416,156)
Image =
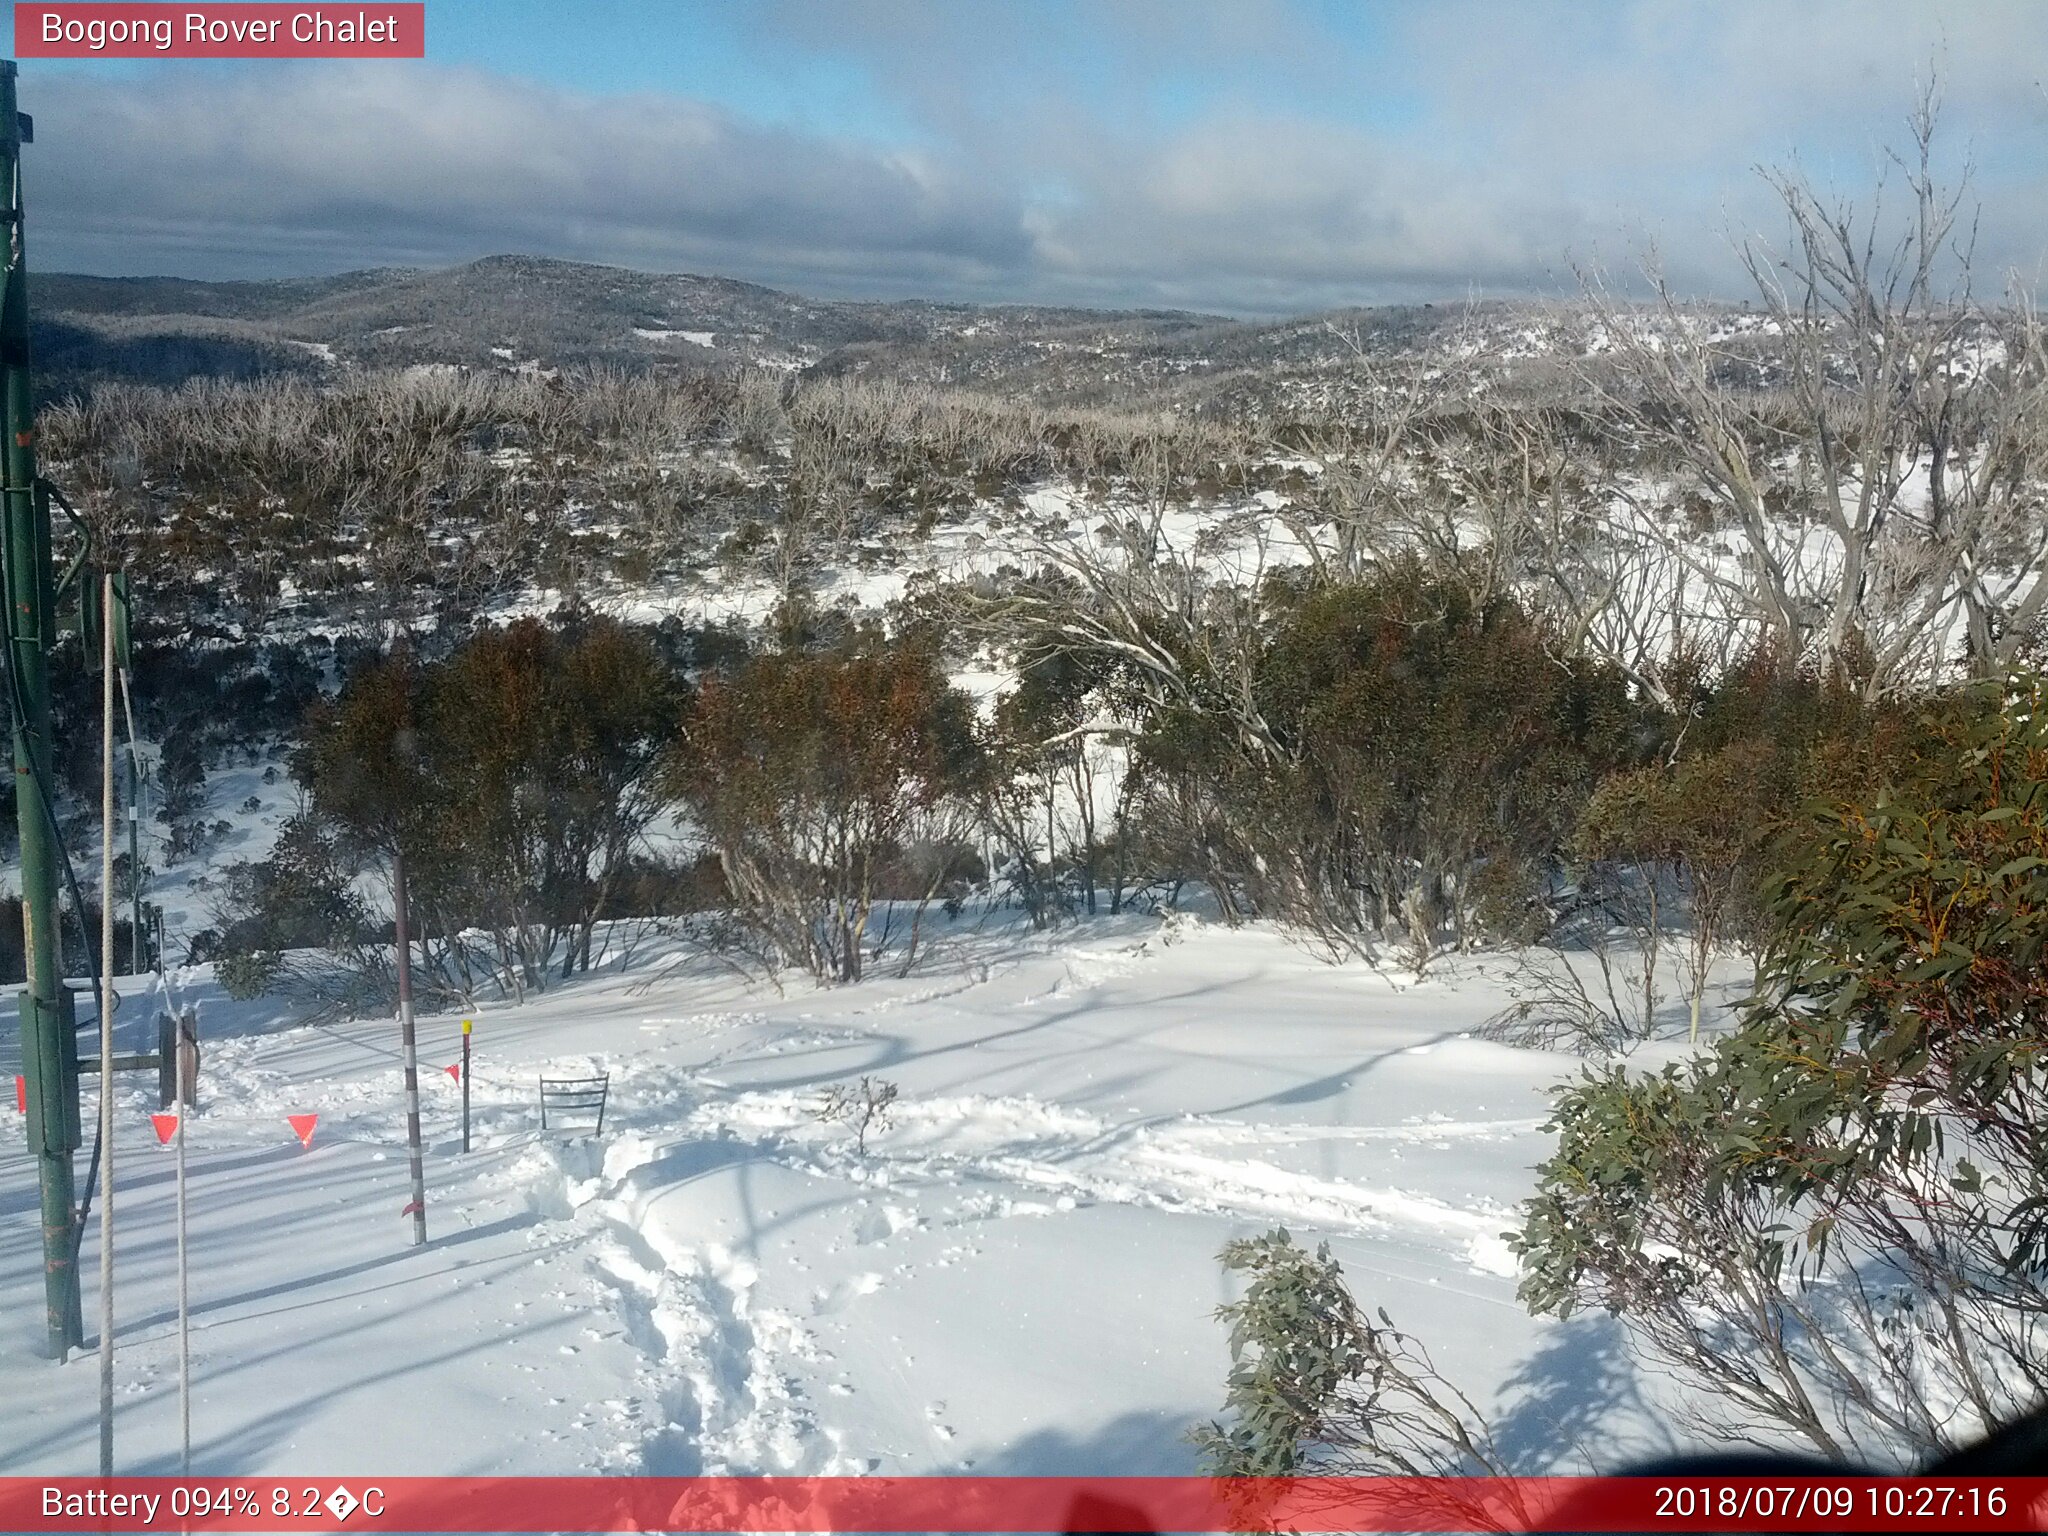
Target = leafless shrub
(864,1105)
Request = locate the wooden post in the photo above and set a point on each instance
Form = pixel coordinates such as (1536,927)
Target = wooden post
(465,1085)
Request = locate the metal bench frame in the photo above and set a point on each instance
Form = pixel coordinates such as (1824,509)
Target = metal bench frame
(575,1093)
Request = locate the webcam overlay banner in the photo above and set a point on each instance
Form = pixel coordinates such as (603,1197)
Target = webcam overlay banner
(220,31)
(872,1504)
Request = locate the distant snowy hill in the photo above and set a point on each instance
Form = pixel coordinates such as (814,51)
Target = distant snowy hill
(523,312)
(503,310)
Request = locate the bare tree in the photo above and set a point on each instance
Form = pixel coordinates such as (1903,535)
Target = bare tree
(1872,438)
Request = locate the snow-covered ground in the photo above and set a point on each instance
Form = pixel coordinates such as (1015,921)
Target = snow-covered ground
(1020,1275)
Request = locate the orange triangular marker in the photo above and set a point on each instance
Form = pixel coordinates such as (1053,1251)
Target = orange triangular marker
(166,1128)
(454,1071)
(302,1127)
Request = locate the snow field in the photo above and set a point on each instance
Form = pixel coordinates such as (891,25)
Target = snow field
(1020,1276)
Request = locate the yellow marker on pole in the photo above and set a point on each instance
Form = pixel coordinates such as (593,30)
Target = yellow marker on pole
(465,1085)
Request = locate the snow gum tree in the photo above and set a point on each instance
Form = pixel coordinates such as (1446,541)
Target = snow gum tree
(1430,756)
(1052,747)
(515,777)
(280,920)
(1698,825)
(808,773)
(1880,474)
(547,740)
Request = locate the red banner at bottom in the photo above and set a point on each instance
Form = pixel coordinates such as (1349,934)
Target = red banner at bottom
(983,1504)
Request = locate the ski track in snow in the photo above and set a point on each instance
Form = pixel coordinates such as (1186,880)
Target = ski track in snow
(716,1398)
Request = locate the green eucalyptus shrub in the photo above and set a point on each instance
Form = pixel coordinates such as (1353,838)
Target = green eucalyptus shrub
(1317,1386)
(1833,1222)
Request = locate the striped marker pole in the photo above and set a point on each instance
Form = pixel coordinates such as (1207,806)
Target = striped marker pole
(409,1053)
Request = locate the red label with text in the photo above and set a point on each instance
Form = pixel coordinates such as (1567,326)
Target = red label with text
(236,31)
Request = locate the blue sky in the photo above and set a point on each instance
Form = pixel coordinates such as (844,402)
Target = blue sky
(753,60)
(706,51)
(1248,156)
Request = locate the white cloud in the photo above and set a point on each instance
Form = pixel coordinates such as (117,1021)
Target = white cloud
(1212,155)
(360,164)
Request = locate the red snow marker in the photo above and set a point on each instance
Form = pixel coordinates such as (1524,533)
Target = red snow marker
(302,1127)
(454,1071)
(21,1093)
(410,1207)
(166,1128)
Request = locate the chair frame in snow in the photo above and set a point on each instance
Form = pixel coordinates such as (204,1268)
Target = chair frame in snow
(575,1094)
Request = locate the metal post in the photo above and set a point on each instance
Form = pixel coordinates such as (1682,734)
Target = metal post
(166,1062)
(136,958)
(465,1085)
(138,943)
(47,1054)
(106,1028)
(188,1057)
(184,1309)
(411,1054)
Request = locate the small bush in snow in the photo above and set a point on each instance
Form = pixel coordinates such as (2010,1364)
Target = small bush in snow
(1316,1387)
(863,1105)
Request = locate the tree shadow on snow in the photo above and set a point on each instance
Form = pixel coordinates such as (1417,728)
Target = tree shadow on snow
(1148,1443)
(1330,1084)
(1578,1404)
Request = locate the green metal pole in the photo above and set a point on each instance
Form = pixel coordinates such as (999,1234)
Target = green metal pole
(48,1040)
(124,619)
